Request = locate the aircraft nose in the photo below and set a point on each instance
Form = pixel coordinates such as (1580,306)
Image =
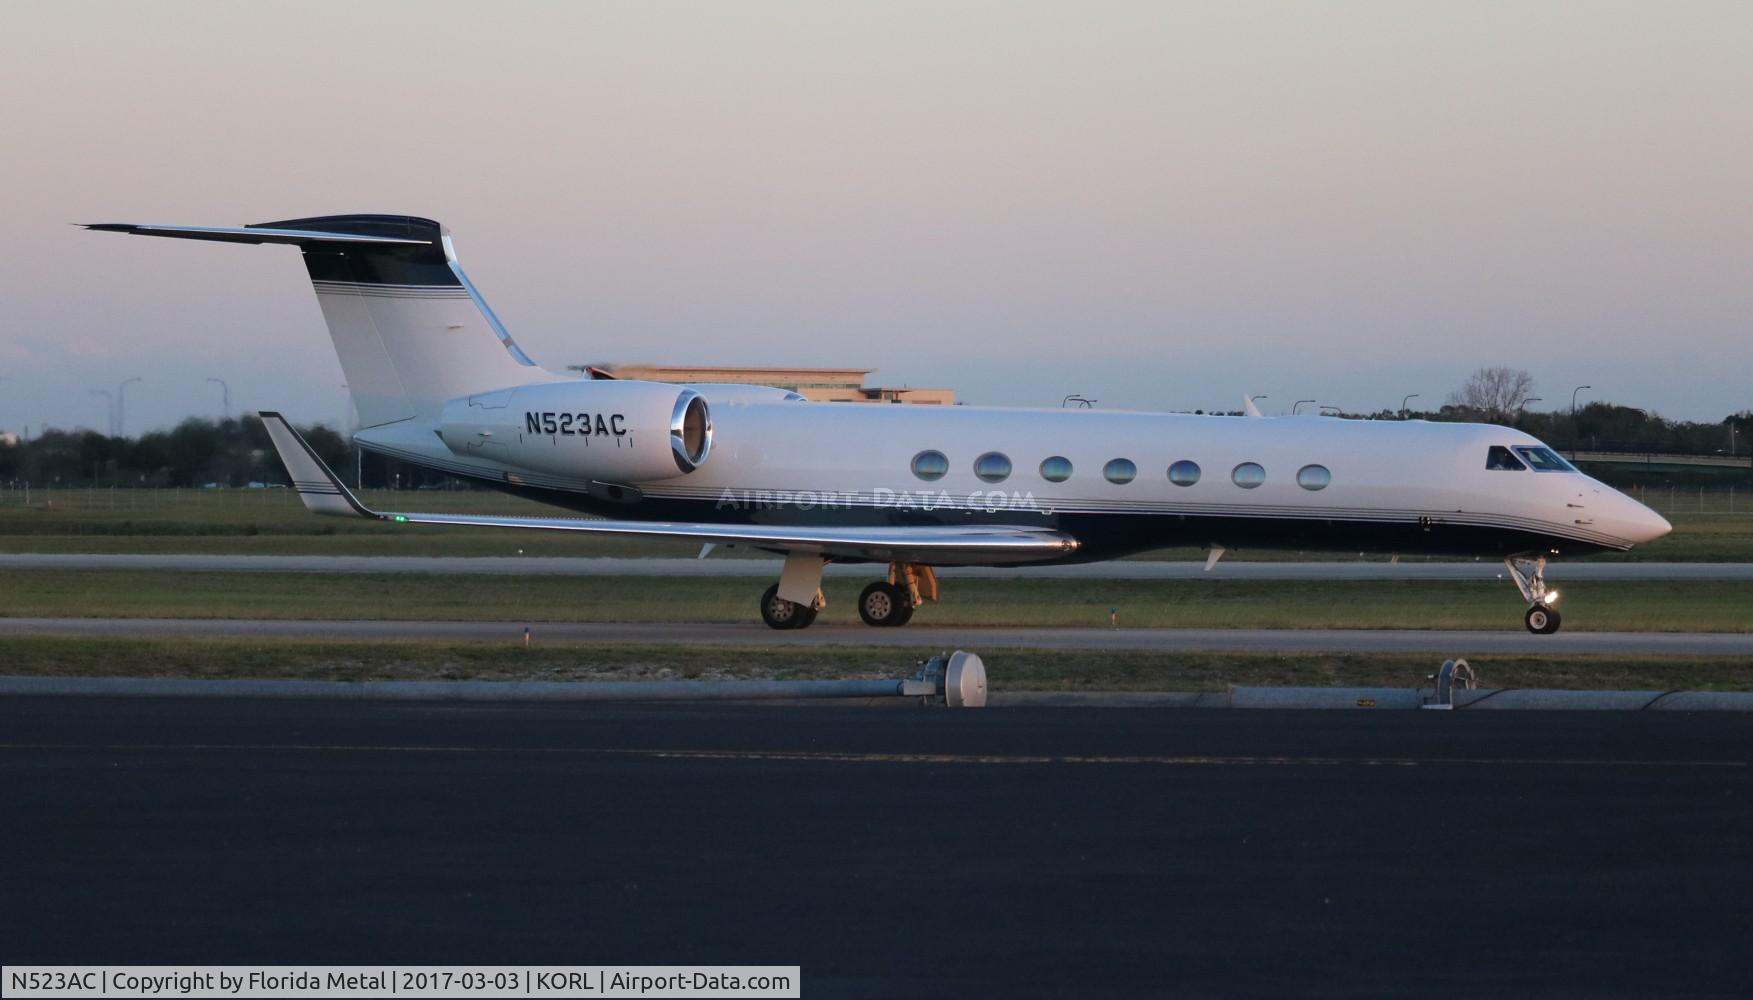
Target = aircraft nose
(1639,523)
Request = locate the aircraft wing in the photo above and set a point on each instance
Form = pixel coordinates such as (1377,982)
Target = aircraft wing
(322,492)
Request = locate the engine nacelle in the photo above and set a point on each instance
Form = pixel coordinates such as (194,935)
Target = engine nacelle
(608,430)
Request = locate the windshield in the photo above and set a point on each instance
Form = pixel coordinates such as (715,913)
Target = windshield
(1499,459)
(1543,459)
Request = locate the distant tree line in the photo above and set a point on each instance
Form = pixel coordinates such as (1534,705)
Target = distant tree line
(198,452)
(1500,395)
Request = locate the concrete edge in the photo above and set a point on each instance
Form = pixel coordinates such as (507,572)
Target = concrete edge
(154,687)
(883,690)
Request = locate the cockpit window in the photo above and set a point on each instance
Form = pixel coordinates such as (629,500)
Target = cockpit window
(1544,459)
(1500,460)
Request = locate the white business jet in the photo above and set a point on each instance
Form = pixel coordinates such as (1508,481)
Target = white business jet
(439,383)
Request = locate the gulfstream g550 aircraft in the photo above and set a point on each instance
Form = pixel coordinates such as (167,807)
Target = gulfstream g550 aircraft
(439,383)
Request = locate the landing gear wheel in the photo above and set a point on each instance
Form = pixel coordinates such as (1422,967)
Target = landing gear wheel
(884,604)
(780,613)
(1541,619)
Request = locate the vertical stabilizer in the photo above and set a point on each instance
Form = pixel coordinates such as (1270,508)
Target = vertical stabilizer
(409,327)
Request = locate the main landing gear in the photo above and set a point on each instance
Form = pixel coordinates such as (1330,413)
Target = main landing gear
(795,600)
(780,613)
(1542,617)
(891,602)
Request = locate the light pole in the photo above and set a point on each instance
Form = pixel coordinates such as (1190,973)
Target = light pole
(1298,403)
(109,407)
(1336,410)
(1532,399)
(1573,393)
(1409,398)
(121,405)
(224,394)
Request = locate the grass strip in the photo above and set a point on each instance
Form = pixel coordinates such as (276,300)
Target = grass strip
(1616,605)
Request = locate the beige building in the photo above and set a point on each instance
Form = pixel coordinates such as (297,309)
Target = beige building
(836,385)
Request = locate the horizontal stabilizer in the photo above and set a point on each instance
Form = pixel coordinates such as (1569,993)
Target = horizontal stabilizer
(253,234)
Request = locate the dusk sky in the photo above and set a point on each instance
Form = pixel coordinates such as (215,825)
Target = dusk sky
(1158,205)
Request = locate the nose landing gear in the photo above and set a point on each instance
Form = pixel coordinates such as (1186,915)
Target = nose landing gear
(1542,617)
(1541,620)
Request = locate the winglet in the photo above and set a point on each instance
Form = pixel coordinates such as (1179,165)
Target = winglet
(317,486)
(1248,407)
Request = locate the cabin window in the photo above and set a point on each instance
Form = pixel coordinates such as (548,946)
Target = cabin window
(1248,475)
(1120,471)
(1499,459)
(930,465)
(992,467)
(1313,477)
(1544,459)
(1056,469)
(1184,473)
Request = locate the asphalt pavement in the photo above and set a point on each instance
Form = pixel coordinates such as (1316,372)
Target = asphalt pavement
(1444,642)
(892,851)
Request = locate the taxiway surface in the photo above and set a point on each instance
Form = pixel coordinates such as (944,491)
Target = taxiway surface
(897,851)
(1445,642)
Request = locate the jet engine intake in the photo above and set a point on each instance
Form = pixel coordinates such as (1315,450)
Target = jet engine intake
(616,431)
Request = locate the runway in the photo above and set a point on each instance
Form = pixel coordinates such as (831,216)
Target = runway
(1127,569)
(891,851)
(1447,643)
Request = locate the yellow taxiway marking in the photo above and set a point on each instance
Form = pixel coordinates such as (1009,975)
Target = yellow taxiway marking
(853,757)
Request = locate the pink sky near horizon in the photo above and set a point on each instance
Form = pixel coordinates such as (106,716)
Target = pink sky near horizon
(1158,205)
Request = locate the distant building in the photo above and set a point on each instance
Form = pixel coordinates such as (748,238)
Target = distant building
(8,439)
(834,385)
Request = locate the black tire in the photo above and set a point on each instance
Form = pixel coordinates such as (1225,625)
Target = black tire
(782,614)
(883,604)
(1541,619)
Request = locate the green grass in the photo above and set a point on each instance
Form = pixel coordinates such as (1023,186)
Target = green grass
(1678,605)
(1007,669)
(274,522)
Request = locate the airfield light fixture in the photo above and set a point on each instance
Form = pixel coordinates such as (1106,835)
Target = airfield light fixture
(224,394)
(1573,393)
(1293,406)
(109,407)
(1408,398)
(122,403)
